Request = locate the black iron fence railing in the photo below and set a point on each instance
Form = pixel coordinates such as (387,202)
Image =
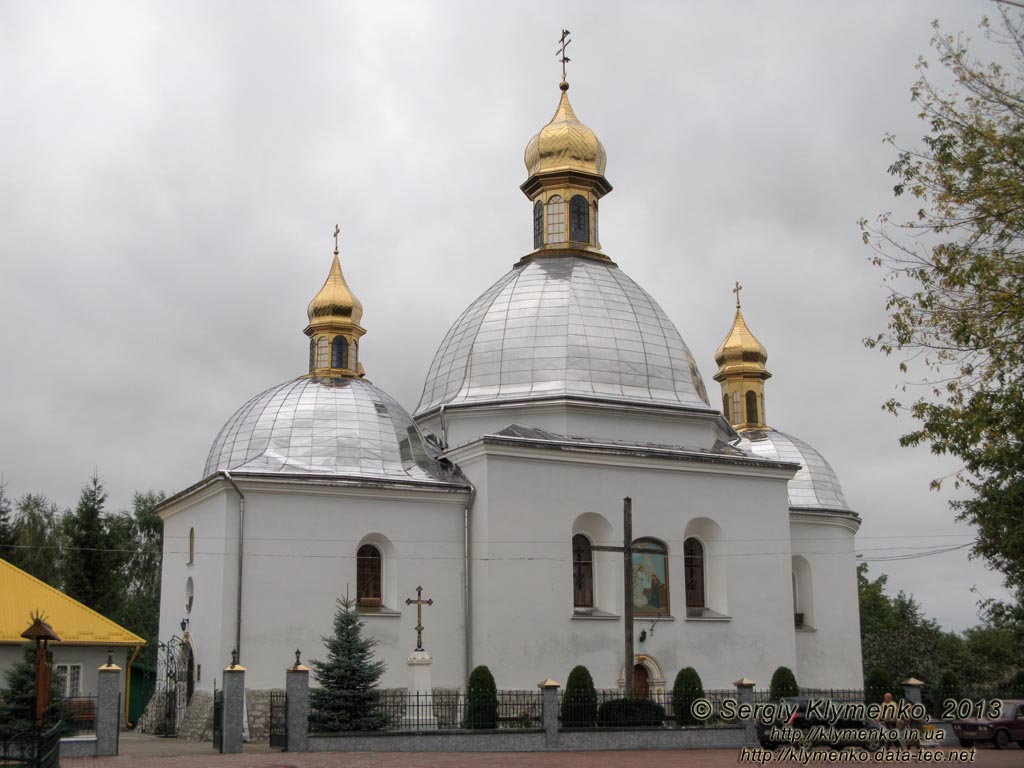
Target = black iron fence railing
(79,715)
(400,710)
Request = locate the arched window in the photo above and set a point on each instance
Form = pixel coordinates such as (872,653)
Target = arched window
(597,240)
(191,545)
(693,574)
(368,576)
(190,593)
(321,352)
(650,578)
(579,219)
(737,414)
(312,355)
(556,221)
(339,352)
(538,224)
(752,407)
(725,407)
(582,573)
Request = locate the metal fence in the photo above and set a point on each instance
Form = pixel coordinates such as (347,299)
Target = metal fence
(443,709)
(79,716)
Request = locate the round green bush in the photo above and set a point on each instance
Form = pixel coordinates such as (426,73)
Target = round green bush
(630,712)
(579,703)
(783,684)
(686,689)
(481,699)
(878,683)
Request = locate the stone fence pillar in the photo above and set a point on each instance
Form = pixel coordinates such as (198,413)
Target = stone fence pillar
(297,711)
(549,712)
(912,690)
(745,695)
(233,708)
(108,708)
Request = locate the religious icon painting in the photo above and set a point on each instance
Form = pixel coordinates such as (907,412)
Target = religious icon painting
(650,578)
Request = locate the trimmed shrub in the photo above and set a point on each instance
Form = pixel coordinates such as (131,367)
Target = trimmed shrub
(878,683)
(783,684)
(686,689)
(481,699)
(579,703)
(630,712)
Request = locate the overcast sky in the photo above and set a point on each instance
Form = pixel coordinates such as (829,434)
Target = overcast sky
(171,173)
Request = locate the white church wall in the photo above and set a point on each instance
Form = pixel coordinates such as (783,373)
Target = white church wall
(828,650)
(525,627)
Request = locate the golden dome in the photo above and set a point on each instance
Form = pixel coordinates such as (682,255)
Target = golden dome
(741,352)
(565,144)
(335,299)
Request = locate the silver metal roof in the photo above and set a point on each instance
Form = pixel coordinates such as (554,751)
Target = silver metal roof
(567,326)
(816,485)
(326,426)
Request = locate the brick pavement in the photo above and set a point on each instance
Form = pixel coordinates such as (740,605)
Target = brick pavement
(258,756)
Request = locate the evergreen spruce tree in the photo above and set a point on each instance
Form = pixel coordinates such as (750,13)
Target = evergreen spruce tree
(89,576)
(347,697)
(18,697)
(8,538)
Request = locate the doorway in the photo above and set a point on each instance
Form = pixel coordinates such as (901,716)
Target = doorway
(641,685)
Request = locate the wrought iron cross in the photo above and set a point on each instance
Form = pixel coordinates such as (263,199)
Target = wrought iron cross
(737,290)
(564,41)
(419,602)
(337,230)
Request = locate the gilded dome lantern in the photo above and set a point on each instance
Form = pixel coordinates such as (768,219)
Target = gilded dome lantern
(741,371)
(334,330)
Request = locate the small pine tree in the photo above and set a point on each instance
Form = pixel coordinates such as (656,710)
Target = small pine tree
(579,704)
(783,684)
(347,697)
(18,698)
(481,699)
(686,690)
(878,683)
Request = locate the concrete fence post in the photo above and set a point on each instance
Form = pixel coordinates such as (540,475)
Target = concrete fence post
(233,708)
(549,712)
(745,695)
(297,711)
(912,690)
(108,701)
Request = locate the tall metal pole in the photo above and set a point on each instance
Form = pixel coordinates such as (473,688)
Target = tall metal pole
(627,571)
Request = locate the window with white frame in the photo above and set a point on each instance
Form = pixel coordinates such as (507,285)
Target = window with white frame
(69,679)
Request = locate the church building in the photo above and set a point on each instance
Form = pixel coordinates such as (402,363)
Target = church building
(561,390)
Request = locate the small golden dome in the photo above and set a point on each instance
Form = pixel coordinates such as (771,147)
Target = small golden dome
(565,144)
(335,299)
(741,351)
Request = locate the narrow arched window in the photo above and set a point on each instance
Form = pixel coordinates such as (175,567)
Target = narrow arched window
(597,239)
(190,594)
(725,407)
(737,414)
(650,578)
(752,407)
(693,573)
(556,220)
(191,545)
(321,352)
(312,355)
(339,352)
(538,224)
(579,219)
(368,576)
(582,572)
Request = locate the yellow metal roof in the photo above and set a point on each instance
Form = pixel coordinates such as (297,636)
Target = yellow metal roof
(23,595)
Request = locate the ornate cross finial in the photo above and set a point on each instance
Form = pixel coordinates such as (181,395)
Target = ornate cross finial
(737,290)
(337,231)
(419,602)
(564,41)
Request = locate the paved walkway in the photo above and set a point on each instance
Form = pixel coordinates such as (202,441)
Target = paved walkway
(143,751)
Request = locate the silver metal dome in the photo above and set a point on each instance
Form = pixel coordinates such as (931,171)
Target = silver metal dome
(816,485)
(325,426)
(564,327)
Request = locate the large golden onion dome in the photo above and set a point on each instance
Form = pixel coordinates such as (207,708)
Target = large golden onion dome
(741,352)
(335,299)
(565,144)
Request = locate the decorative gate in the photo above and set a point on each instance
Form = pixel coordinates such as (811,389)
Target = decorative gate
(218,719)
(172,685)
(279,720)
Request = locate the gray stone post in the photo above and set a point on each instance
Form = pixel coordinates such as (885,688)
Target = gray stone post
(745,695)
(297,712)
(912,690)
(233,708)
(549,712)
(108,715)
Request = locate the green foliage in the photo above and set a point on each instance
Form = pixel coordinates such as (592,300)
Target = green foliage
(347,697)
(481,699)
(93,564)
(39,538)
(878,683)
(630,712)
(686,689)
(783,684)
(956,305)
(17,698)
(1017,685)
(579,703)
(8,537)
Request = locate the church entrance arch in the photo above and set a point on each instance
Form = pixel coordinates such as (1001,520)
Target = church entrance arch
(641,688)
(647,673)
